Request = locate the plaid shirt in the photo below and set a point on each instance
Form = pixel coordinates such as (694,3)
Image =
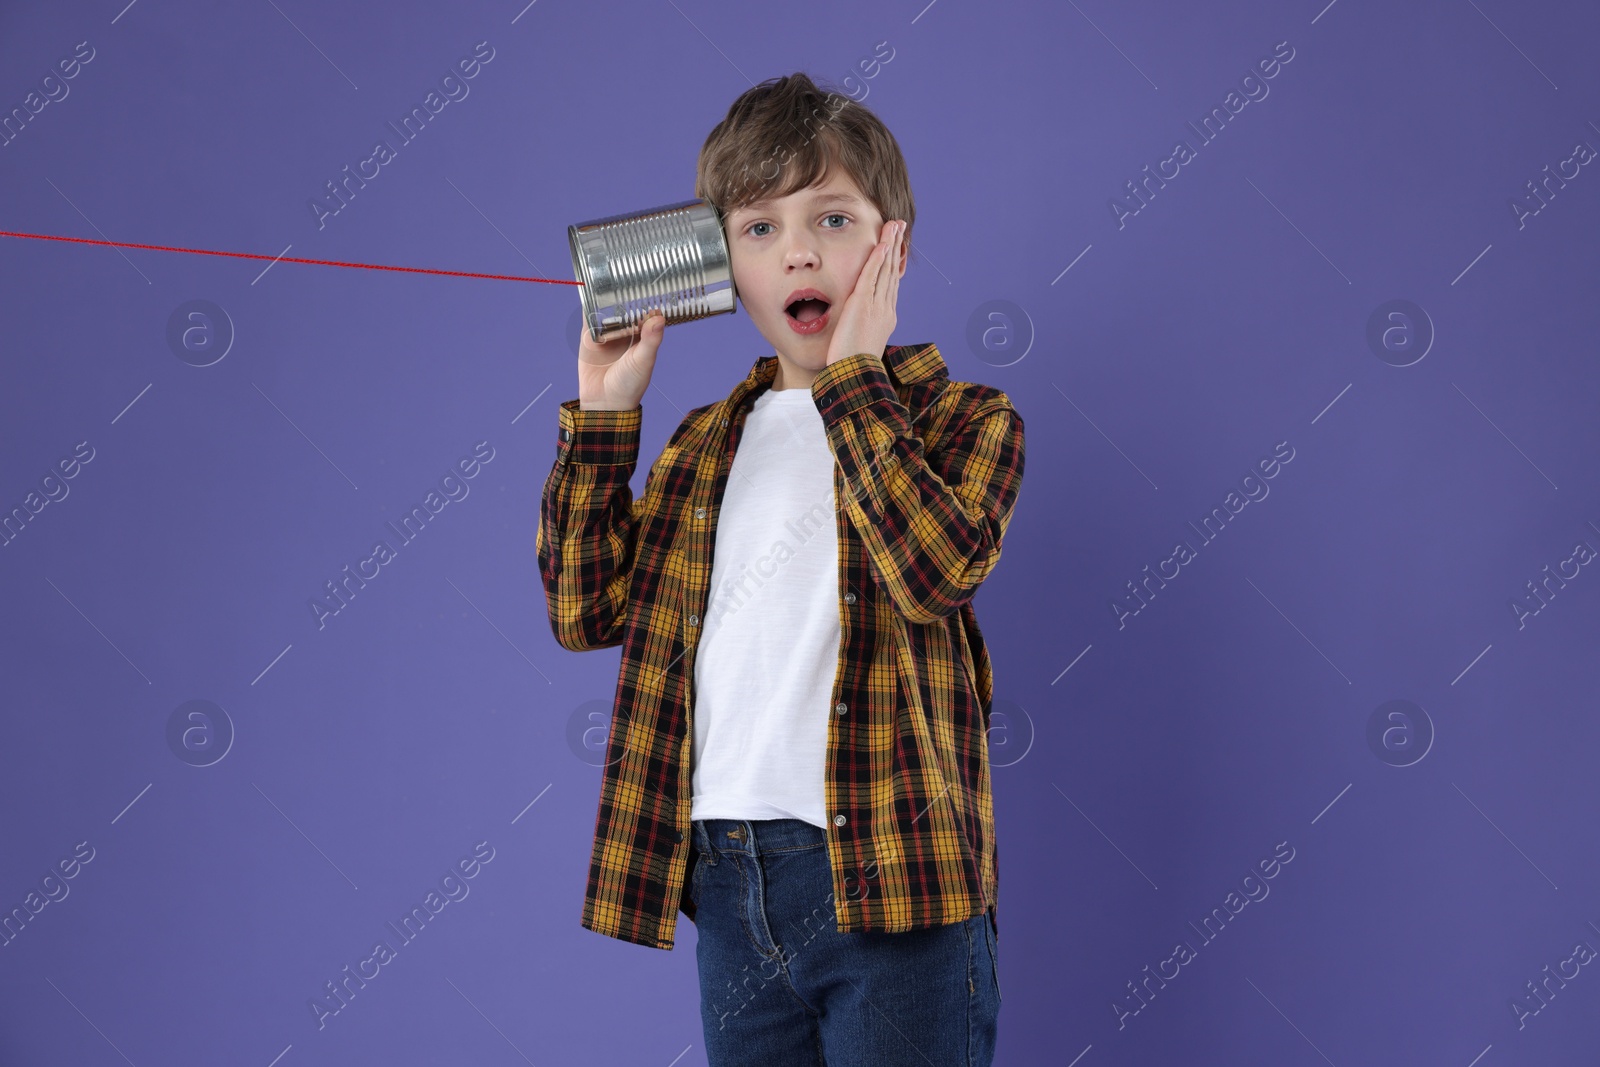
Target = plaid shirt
(927,471)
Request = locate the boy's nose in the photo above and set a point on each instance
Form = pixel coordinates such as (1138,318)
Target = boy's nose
(800,253)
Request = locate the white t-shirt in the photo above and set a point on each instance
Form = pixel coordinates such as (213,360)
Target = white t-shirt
(769,647)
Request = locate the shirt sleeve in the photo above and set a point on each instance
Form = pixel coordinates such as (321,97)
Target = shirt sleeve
(932,525)
(588,526)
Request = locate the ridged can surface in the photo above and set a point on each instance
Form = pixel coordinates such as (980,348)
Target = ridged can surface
(673,257)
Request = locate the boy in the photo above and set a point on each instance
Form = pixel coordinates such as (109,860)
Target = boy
(797,758)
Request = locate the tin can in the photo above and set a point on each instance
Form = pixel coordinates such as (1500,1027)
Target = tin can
(673,257)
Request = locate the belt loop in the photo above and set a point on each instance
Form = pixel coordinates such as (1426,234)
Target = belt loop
(709,853)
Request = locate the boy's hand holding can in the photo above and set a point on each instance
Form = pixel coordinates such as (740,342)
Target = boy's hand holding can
(613,376)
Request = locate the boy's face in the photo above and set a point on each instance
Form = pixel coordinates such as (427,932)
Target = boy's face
(816,238)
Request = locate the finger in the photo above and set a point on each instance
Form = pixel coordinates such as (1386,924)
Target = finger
(867,279)
(871,277)
(891,264)
(886,262)
(894,275)
(635,338)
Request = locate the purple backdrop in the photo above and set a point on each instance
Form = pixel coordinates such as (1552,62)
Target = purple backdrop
(1352,321)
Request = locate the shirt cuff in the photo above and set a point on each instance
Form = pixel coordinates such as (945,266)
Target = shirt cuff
(852,383)
(598,438)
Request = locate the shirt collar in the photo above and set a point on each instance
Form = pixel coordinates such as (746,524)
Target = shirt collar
(906,364)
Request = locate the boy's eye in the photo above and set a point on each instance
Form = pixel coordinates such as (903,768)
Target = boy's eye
(836,215)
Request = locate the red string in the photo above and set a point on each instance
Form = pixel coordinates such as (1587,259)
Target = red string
(293,259)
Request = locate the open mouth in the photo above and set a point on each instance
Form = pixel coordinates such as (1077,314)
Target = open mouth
(808,313)
(808,310)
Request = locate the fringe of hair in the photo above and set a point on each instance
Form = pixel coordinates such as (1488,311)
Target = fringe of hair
(787,134)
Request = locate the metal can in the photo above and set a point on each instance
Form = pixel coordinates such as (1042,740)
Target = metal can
(673,257)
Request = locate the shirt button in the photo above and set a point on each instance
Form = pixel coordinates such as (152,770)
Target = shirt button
(849,598)
(724,424)
(699,513)
(694,620)
(840,708)
(838,820)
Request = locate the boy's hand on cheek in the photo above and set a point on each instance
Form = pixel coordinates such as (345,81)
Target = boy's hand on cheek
(868,316)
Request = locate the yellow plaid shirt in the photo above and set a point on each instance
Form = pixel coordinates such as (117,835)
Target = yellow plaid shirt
(926,476)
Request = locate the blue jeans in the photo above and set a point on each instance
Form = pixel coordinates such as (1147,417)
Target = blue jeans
(780,986)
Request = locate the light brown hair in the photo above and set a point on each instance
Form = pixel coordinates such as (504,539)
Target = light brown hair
(786,134)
